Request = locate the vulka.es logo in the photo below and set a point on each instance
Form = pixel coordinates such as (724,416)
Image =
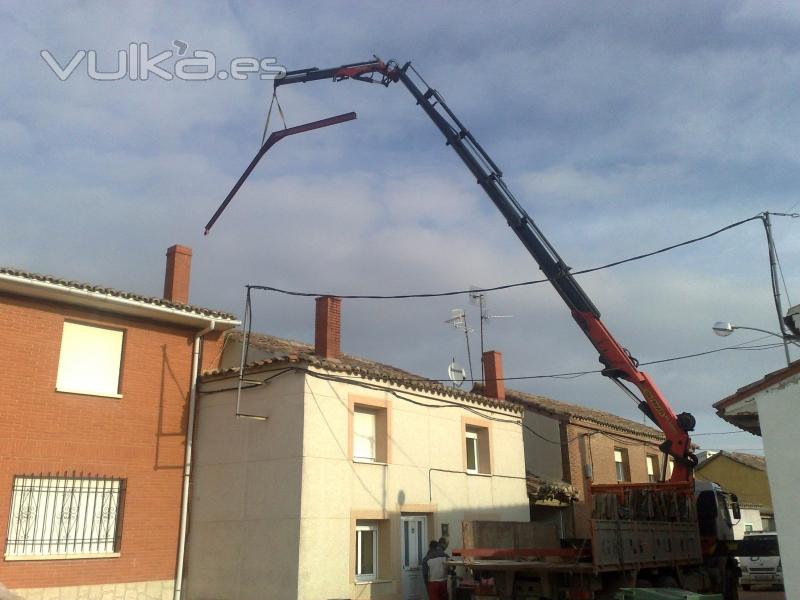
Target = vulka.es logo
(137,64)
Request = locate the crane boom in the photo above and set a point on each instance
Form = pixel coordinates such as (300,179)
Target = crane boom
(617,361)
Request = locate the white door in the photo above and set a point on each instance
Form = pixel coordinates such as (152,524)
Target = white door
(414,546)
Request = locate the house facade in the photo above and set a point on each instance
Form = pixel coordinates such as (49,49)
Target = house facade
(338,471)
(768,408)
(95,387)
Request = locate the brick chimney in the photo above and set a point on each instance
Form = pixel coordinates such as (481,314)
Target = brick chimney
(328,327)
(494,386)
(176,276)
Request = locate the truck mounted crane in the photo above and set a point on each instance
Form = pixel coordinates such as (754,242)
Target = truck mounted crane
(666,532)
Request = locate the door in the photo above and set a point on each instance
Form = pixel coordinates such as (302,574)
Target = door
(413,547)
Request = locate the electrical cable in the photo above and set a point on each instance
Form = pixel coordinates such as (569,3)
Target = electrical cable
(575,374)
(510,285)
(383,388)
(720,432)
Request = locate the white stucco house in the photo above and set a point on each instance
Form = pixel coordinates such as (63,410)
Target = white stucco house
(769,408)
(338,471)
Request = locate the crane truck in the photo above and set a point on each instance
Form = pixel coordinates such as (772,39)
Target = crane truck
(671,533)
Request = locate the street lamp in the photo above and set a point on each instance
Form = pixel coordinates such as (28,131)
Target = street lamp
(724,329)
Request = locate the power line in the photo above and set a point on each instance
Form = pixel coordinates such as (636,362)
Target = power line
(513,285)
(721,432)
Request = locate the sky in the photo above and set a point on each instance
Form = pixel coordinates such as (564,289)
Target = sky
(621,127)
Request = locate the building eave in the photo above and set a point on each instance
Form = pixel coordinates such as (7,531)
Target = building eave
(42,289)
(343,369)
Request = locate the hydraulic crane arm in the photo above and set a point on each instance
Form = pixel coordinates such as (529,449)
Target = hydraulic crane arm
(618,363)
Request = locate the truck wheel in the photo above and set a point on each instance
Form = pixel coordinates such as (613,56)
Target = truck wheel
(643,583)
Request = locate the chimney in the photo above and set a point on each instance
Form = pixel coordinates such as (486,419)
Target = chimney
(327,327)
(176,276)
(494,386)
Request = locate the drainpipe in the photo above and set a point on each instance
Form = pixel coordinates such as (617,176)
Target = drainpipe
(187,461)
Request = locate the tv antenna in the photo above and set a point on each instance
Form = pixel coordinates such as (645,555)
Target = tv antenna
(458,319)
(456,373)
(478,298)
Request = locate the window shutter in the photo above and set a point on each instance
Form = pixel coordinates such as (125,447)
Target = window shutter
(90,359)
(364,434)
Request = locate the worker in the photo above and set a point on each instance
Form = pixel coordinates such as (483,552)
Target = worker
(434,571)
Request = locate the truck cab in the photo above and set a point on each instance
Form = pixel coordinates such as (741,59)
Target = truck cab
(715,507)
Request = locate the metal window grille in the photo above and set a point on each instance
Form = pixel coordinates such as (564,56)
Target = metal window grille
(64,514)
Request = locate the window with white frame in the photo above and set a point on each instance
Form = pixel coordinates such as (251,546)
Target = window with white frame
(476,455)
(60,515)
(472,451)
(621,464)
(370,432)
(364,434)
(366,550)
(90,360)
(652,467)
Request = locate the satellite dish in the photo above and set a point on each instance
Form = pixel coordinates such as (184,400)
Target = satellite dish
(456,373)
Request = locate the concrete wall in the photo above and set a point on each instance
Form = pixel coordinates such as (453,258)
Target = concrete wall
(139,437)
(274,505)
(750,484)
(245,503)
(777,410)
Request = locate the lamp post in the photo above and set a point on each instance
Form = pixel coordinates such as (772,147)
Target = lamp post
(724,329)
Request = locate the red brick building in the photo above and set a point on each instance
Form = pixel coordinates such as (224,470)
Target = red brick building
(567,446)
(95,390)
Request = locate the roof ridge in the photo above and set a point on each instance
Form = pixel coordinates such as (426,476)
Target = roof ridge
(581,412)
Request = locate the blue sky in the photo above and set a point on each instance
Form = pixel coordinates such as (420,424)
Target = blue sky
(621,127)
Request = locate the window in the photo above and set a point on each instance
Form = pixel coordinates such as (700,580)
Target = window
(652,467)
(621,464)
(476,450)
(369,430)
(670,466)
(366,550)
(90,360)
(472,451)
(57,516)
(364,434)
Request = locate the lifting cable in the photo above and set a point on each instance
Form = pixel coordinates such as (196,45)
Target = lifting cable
(274,101)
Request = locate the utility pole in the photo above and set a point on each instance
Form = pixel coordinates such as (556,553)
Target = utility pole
(776,290)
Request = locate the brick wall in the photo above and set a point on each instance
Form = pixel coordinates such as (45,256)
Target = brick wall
(139,437)
(593,446)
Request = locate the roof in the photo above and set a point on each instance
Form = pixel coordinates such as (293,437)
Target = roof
(747,417)
(574,412)
(277,350)
(19,281)
(749,460)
